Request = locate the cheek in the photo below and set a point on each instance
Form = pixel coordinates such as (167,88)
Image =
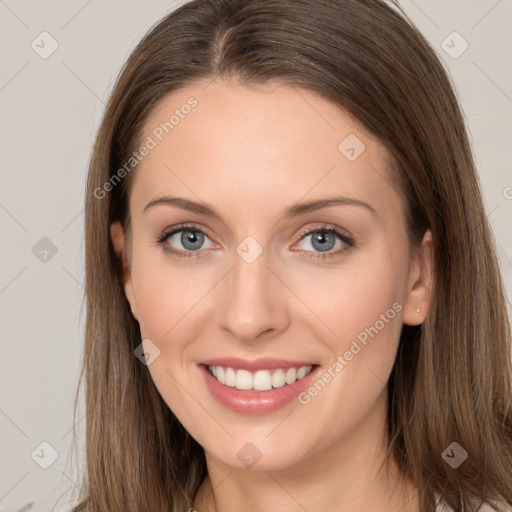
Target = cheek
(166,292)
(360,301)
(362,309)
(168,302)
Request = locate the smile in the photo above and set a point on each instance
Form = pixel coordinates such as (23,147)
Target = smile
(261,380)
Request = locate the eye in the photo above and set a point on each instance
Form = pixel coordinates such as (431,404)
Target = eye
(323,239)
(191,239)
(188,240)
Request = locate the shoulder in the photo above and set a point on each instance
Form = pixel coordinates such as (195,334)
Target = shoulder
(503,507)
(442,507)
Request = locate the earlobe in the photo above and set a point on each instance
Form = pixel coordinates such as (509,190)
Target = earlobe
(420,283)
(119,242)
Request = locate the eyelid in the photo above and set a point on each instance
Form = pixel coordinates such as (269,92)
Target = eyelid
(182,227)
(321,226)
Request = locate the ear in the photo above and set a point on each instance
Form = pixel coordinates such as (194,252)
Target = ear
(119,241)
(420,283)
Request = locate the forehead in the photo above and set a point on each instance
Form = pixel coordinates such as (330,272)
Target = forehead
(257,143)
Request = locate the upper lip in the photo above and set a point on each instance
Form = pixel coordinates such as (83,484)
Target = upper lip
(264,363)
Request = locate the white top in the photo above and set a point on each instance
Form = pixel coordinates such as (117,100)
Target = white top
(442,507)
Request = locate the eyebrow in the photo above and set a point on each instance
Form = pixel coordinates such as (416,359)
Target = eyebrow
(294,211)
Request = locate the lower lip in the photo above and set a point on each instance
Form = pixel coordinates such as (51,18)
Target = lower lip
(255,402)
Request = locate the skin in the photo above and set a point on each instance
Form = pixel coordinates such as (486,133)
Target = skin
(250,153)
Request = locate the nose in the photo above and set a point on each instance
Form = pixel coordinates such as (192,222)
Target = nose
(254,301)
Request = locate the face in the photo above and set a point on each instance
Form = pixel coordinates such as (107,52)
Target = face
(241,274)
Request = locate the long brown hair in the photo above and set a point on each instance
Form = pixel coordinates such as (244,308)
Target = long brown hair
(452,378)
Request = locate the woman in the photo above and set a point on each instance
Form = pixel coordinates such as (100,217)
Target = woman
(293,298)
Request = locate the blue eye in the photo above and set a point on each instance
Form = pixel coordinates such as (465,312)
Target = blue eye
(191,238)
(323,239)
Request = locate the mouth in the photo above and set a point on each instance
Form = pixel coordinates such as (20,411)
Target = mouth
(256,387)
(260,380)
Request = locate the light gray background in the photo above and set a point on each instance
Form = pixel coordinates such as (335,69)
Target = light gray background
(50,110)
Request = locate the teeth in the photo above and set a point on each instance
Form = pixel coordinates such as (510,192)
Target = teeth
(262,380)
(291,376)
(278,378)
(230,377)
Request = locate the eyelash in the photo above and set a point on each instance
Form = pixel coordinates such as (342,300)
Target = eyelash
(345,238)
